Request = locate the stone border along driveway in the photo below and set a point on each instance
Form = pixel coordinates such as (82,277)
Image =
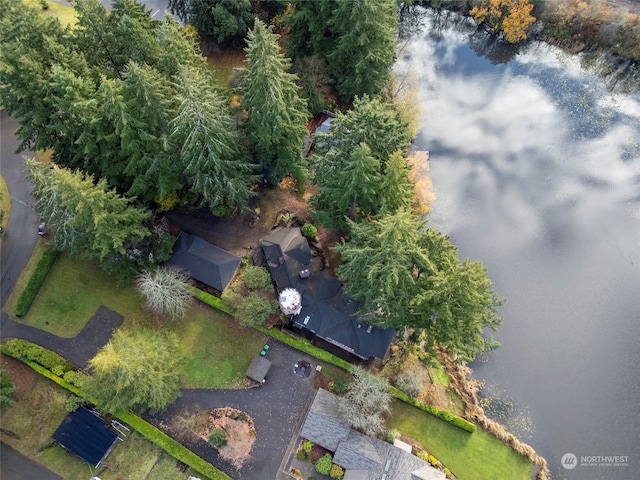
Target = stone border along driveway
(278,408)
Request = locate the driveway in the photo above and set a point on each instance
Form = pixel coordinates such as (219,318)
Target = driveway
(16,466)
(20,236)
(278,409)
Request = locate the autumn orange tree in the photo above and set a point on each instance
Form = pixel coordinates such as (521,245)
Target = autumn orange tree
(511,17)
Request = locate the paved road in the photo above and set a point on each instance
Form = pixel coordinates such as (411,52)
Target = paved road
(21,234)
(15,466)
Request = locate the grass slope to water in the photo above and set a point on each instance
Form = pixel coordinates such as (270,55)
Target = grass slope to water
(468,456)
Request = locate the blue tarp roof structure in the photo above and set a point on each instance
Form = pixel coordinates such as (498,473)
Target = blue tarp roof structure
(206,263)
(86,435)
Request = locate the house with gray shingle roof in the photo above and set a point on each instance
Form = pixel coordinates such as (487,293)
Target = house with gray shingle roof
(362,457)
(206,263)
(325,310)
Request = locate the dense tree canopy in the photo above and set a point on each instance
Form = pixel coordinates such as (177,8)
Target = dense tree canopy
(137,369)
(210,148)
(511,17)
(352,161)
(226,21)
(88,217)
(356,39)
(275,114)
(409,275)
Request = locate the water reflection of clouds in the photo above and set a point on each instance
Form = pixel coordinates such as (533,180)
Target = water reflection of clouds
(509,143)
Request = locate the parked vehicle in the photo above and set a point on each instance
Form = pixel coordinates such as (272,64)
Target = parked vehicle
(42,229)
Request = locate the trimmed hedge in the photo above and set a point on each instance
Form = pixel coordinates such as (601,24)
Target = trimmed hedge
(143,427)
(35,282)
(210,300)
(24,350)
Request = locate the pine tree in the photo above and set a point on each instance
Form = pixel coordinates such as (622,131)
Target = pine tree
(349,187)
(410,276)
(364,50)
(276,114)
(209,143)
(396,191)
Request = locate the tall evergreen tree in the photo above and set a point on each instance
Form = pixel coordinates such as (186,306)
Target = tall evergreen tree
(88,217)
(396,191)
(276,114)
(111,39)
(410,276)
(349,187)
(209,143)
(373,121)
(226,21)
(340,169)
(308,32)
(364,51)
(32,45)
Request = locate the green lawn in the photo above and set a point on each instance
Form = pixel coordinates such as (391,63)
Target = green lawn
(66,14)
(5,204)
(72,292)
(218,349)
(468,456)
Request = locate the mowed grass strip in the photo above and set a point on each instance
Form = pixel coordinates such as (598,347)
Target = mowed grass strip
(468,456)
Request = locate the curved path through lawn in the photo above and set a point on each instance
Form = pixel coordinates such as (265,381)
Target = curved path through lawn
(277,408)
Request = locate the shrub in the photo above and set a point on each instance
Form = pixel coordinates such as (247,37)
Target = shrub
(73,403)
(307,445)
(422,455)
(254,309)
(165,291)
(336,471)
(74,378)
(432,460)
(409,383)
(446,472)
(256,277)
(339,387)
(25,350)
(35,282)
(218,438)
(7,388)
(310,231)
(301,455)
(323,465)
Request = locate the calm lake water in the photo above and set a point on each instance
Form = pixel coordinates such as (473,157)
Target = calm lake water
(536,168)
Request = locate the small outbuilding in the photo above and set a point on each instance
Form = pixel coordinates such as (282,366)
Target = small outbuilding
(86,435)
(258,369)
